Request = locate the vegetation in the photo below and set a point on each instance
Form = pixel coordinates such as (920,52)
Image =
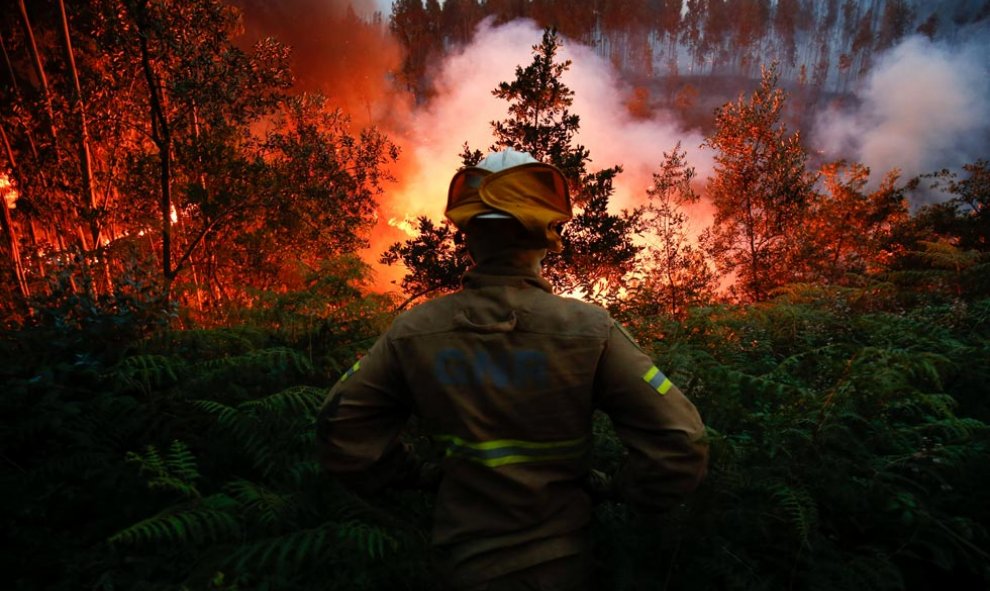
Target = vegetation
(598,246)
(849,435)
(179,289)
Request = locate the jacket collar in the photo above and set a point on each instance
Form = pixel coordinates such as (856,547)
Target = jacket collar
(519,268)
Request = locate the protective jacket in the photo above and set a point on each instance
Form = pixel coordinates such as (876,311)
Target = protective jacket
(506,376)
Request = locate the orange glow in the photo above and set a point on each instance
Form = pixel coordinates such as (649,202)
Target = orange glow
(431,135)
(8,192)
(407,224)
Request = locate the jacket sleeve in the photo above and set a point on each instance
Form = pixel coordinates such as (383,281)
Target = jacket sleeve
(662,430)
(358,426)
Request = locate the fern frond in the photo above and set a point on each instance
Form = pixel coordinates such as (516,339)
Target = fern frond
(227,416)
(373,541)
(298,400)
(181,462)
(269,506)
(197,523)
(304,471)
(148,372)
(800,508)
(177,472)
(287,553)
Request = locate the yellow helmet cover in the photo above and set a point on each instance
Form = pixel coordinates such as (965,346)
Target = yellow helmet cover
(533,193)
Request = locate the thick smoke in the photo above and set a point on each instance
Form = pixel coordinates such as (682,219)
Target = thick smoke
(338,50)
(464,107)
(923,107)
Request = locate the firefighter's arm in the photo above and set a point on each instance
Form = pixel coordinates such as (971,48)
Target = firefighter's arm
(358,426)
(659,426)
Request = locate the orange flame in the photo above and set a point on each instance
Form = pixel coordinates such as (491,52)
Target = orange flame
(8,192)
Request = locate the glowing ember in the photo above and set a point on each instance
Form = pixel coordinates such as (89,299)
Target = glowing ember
(8,192)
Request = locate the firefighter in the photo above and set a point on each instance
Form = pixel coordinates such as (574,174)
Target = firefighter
(505,375)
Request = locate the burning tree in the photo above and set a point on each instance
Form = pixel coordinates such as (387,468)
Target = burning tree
(159,138)
(760,189)
(598,249)
(848,231)
(678,276)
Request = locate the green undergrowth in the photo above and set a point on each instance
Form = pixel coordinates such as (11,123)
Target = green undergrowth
(849,443)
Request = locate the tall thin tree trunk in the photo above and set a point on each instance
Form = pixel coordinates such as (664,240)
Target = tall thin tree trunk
(10,67)
(17,92)
(39,70)
(85,156)
(9,232)
(161,135)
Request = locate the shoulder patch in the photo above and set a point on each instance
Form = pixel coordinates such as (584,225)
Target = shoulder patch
(353,370)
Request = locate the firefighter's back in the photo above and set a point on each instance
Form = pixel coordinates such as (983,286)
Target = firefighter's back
(502,373)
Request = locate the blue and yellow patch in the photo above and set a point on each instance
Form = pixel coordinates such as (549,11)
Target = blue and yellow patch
(659,382)
(353,370)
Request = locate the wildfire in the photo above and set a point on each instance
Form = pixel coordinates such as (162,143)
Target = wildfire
(407,224)
(8,192)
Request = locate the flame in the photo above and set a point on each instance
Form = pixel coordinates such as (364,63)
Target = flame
(8,192)
(407,224)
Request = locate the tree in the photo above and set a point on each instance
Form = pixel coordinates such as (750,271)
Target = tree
(679,275)
(539,121)
(964,218)
(418,30)
(458,19)
(166,107)
(597,245)
(311,190)
(759,190)
(848,230)
(598,250)
(436,260)
(198,82)
(691,31)
(894,23)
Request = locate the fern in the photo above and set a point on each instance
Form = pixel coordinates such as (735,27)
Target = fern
(251,366)
(207,520)
(800,508)
(291,552)
(176,472)
(303,401)
(267,506)
(148,372)
(285,553)
(372,540)
(226,416)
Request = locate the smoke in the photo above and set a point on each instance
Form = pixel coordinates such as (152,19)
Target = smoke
(923,107)
(463,108)
(339,49)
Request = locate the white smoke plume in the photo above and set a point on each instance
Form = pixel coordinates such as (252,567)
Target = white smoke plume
(923,107)
(464,107)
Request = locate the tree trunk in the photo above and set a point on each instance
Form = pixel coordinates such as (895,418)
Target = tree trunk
(39,70)
(10,234)
(162,136)
(85,156)
(17,92)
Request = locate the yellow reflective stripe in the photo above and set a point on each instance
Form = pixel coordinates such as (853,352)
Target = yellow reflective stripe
(496,462)
(354,369)
(659,382)
(498,443)
(501,452)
